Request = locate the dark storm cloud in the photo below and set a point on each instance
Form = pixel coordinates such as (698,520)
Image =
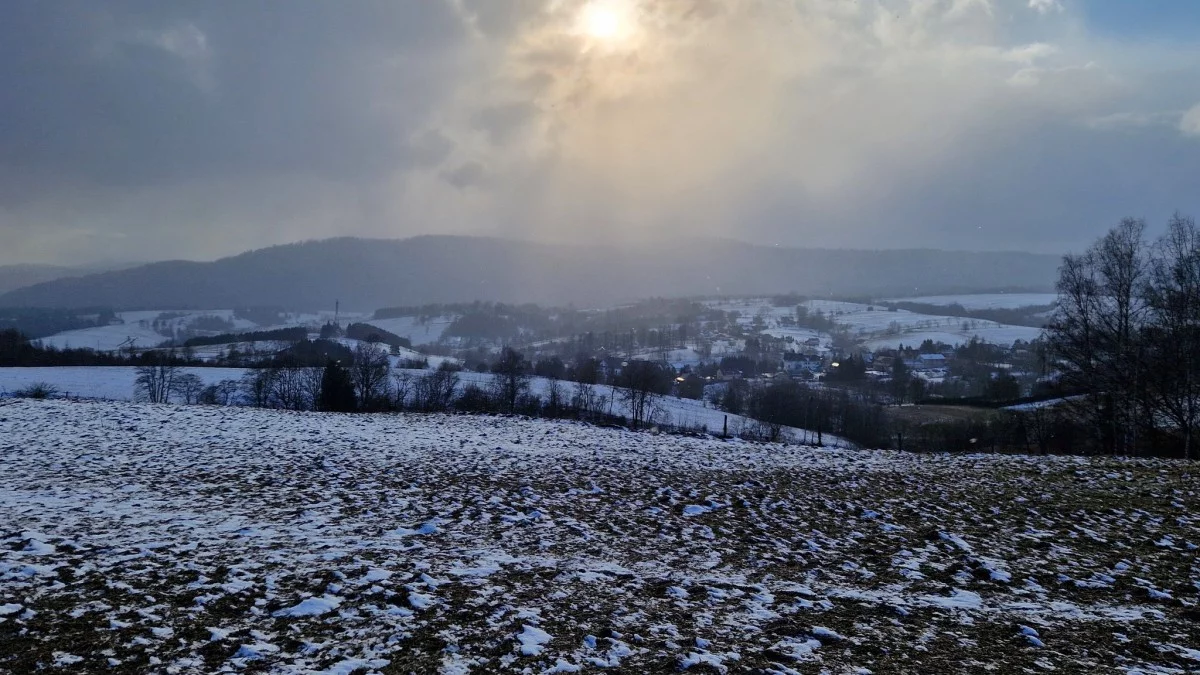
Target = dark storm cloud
(131,93)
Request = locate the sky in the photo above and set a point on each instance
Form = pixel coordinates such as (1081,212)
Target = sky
(141,130)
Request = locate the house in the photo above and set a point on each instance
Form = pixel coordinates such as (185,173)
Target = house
(610,367)
(930,362)
(795,364)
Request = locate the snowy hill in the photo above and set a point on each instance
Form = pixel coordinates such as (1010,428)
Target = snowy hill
(986,300)
(367,274)
(207,539)
(144,329)
(19,276)
(877,328)
(117,383)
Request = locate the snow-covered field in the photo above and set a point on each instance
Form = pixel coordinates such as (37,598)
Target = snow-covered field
(137,328)
(998,334)
(669,410)
(116,383)
(879,328)
(141,538)
(106,338)
(750,308)
(800,336)
(410,327)
(986,300)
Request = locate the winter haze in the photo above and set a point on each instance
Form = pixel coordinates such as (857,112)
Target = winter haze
(136,131)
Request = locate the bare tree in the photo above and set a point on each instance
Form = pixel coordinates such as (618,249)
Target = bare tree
(370,374)
(555,399)
(187,386)
(643,382)
(290,385)
(311,378)
(257,385)
(587,401)
(1094,334)
(1172,339)
(1127,333)
(221,393)
(511,378)
(402,384)
(435,391)
(155,380)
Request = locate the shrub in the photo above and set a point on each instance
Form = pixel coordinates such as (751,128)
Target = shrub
(39,390)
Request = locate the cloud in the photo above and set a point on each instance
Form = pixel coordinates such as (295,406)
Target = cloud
(1033,76)
(1045,6)
(1028,54)
(465,176)
(1133,121)
(203,129)
(1190,123)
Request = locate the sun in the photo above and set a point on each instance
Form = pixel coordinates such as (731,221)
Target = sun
(607,21)
(601,22)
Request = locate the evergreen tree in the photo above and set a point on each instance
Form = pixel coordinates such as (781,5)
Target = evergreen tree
(900,377)
(337,389)
(1003,387)
(330,330)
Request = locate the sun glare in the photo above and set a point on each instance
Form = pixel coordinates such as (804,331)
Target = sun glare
(604,21)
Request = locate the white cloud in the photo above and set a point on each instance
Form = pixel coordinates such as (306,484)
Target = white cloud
(185,42)
(1045,6)
(1033,76)
(1132,121)
(1190,124)
(1027,54)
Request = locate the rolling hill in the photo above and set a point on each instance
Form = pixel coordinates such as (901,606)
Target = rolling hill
(18,276)
(370,273)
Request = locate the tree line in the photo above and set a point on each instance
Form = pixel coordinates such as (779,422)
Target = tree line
(366,382)
(40,322)
(1127,334)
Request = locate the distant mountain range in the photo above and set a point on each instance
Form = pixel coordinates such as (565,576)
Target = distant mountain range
(19,276)
(367,274)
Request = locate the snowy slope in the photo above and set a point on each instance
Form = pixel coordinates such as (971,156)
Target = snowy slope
(986,300)
(207,539)
(402,355)
(879,328)
(998,334)
(116,383)
(106,338)
(137,325)
(409,327)
(681,412)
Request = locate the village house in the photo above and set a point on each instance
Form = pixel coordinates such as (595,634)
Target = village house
(930,362)
(797,364)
